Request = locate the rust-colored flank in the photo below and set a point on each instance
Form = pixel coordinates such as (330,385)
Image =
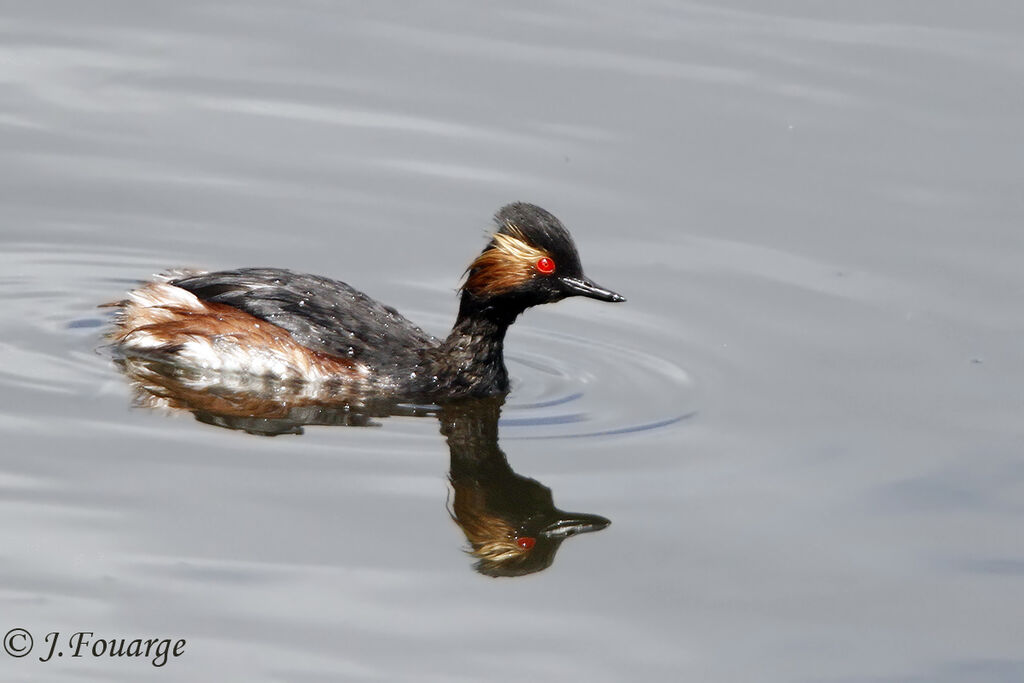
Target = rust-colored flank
(165,319)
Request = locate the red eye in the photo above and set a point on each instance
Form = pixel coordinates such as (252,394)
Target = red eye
(545,266)
(526,542)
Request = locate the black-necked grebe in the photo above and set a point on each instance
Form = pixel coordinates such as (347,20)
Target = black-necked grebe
(274,323)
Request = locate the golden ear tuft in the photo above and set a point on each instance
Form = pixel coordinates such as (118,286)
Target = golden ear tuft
(516,246)
(506,264)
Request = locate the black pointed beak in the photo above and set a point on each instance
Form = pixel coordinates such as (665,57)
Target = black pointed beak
(572,523)
(584,287)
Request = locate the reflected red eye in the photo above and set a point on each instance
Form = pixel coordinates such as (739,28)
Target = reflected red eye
(545,265)
(526,542)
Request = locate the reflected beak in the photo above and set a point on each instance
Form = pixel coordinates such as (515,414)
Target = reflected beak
(572,523)
(585,287)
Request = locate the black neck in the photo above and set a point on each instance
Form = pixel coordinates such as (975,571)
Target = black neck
(471,361)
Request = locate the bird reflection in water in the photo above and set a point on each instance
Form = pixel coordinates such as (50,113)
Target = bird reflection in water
(510,521)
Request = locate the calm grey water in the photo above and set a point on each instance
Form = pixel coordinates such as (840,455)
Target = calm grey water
(805,424)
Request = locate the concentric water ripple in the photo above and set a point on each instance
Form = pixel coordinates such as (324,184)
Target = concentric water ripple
(578,387)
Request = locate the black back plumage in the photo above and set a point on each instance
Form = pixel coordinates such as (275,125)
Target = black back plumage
(322,314)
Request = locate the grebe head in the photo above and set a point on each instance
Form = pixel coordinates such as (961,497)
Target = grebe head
(530,260)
